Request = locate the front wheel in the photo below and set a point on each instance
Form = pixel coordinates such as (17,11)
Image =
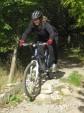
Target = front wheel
(32,80)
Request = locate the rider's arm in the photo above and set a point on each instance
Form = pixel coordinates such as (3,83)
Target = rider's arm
(25,34)
(27,31)
(50,30)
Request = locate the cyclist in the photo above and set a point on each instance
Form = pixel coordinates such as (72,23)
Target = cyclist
(45,33)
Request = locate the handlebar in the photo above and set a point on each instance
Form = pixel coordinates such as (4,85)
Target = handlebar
(35,44)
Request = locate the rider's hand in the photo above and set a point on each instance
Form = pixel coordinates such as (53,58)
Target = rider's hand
(50,41)
(21,42)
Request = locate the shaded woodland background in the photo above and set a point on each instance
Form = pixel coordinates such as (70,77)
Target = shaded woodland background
(66,15)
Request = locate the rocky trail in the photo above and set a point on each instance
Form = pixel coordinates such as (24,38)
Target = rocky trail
(55,96)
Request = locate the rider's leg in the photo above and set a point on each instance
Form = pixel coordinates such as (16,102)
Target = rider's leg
(53,56)
(55,50)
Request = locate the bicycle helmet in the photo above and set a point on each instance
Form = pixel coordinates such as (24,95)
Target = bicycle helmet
(36,14)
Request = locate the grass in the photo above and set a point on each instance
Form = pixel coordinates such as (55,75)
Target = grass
(15,99)
(3,77)
(75,78)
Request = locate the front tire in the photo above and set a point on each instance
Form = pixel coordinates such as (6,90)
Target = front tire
(32,84)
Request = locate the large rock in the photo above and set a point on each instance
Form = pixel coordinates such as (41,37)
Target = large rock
(56,96)
(48,91)
(50,98)
(49,84)
(65,91)
(53,91)
(59,86)
(43,98)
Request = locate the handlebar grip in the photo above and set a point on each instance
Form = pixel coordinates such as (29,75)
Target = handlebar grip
(25,44)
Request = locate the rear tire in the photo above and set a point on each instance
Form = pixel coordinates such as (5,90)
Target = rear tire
(32,84)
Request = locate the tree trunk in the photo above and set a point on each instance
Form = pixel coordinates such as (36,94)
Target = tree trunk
(13,65)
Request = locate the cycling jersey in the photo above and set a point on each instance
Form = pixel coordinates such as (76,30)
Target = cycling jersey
(43,31)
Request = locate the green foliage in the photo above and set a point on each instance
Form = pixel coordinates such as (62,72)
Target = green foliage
(76,9)
(15,16)
(15,99)
(75,78)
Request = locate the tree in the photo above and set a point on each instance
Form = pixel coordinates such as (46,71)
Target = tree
(76,10)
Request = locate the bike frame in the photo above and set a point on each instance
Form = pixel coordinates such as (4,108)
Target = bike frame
(36,55)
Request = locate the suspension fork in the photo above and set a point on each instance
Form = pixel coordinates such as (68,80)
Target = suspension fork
(47,58)
(37,57)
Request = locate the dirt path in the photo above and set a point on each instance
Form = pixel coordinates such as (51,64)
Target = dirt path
(71,104)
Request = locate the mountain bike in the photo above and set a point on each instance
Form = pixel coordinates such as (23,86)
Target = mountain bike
(37,66)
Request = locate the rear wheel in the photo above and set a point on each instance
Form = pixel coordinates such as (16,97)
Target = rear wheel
(32,80)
